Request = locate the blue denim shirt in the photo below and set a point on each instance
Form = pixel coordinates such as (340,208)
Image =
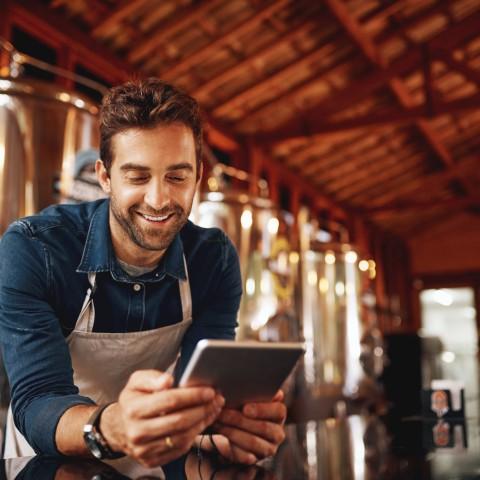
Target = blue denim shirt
(44,262)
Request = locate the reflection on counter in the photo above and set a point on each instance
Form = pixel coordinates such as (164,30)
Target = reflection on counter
(353,448)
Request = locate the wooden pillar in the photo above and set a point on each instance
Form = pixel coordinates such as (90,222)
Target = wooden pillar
(380,291)
(273,186)
(255,157)
(66,61)
(5,34)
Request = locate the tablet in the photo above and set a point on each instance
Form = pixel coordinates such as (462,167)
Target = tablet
(242,371)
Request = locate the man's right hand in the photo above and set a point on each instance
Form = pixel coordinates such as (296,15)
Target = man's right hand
(155,423)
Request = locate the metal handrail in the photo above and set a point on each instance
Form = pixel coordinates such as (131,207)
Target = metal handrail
(17,59)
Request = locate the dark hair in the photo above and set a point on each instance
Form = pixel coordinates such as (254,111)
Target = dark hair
(146,104)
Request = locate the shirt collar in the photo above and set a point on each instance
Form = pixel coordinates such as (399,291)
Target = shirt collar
(98,255)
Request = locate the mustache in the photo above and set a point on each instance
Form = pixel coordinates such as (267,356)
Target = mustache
(174,208)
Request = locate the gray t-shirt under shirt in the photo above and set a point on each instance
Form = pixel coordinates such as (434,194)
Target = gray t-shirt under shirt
(135,271)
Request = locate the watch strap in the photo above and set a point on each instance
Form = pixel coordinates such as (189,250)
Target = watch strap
(94,439)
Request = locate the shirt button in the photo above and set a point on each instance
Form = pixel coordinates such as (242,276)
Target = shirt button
(137,287)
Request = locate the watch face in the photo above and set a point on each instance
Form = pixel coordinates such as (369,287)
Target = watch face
(92,444)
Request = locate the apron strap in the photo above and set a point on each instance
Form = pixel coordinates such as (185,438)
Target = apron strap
(86,317)
(185,294)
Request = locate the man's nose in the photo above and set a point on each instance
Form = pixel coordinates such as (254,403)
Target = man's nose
(157,195)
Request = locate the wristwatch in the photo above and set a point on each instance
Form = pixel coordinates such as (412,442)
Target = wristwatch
(94,439)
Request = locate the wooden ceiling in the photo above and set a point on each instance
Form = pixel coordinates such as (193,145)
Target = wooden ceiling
(375,103)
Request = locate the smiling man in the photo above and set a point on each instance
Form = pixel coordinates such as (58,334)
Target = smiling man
(98,300)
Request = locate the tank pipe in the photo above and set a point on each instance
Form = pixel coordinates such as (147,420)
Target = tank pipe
(219,168)
(19,59)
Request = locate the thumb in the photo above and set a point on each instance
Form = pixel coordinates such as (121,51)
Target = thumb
(150,381)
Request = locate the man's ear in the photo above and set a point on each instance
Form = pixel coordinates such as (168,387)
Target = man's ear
(102,176)
(200,174)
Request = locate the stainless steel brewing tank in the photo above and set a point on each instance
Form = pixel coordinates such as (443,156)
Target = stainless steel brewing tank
(262,235)
(43,128)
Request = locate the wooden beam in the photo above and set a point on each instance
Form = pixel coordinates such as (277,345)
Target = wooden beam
(385,180)
(329,167)
(372,170)
(205,52)
(369,49)
(248,63)
(462,67)
(430,182)
(386,211)
(273,80)
(293,95)
(378,188)
(44,24)
(412,21)
(120,12)
(331,153)
(181,19)
(307,188)
(49,26)
(387,119)
(380,146)
(5,34)
(364,87)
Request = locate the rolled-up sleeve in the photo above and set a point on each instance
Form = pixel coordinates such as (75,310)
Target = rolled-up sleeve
(35,353)
(217,317)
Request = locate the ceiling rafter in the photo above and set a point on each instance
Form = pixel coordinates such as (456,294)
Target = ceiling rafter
(206,51)
(387,185)
(430,182)
(290,132)
(462,67)
(293,95)
(394,117)
(334,164)
(367,178)
(369,49)
(369,166)
(240,67)
(116,16)
(182,18)
(275,79)
(413,207)
(413,21)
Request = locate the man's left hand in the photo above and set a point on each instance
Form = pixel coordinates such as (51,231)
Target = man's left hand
(253,433)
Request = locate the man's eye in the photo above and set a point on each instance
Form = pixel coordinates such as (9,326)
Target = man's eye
(137,179)
(176,178)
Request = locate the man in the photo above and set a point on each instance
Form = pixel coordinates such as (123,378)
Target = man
(98,299)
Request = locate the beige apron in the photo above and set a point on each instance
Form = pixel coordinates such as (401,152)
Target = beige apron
(103,362)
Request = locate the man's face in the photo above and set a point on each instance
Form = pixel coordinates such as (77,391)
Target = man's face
(151,185)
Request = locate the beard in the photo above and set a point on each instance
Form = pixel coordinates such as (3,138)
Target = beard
(149,238)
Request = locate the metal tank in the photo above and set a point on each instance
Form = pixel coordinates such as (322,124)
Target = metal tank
(43,129)
(344,349)
(262,234)
(306,290)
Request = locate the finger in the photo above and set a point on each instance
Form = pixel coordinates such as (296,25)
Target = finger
(149,381)
(164,402)
(279,396)
(260,447)
(159,452)
(274,412)
(242,456)
(270,431)
(228,450)
(146,430)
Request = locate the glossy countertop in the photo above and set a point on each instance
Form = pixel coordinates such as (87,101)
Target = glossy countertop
(357,447)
